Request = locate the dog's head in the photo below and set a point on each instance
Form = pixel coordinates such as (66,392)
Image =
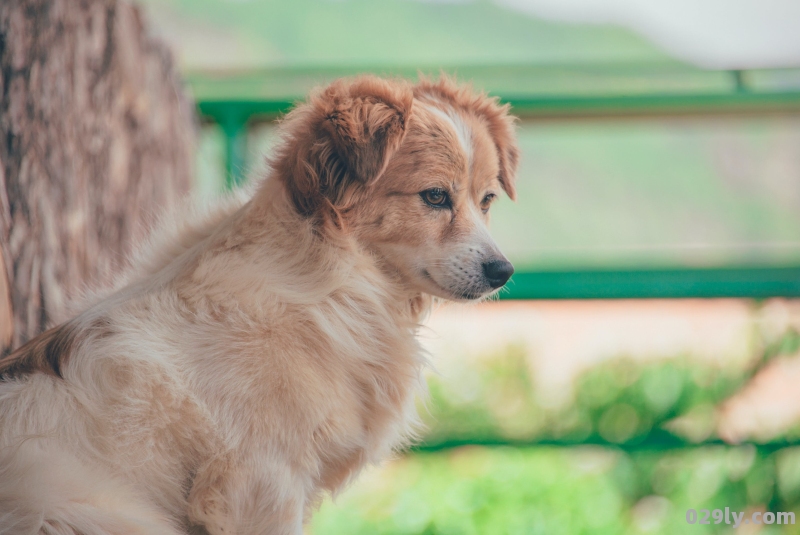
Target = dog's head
(411,171)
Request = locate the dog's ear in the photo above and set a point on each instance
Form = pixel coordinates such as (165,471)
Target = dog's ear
(503,130)
(341,140)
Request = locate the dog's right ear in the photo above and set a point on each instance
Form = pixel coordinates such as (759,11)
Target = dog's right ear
(341,140)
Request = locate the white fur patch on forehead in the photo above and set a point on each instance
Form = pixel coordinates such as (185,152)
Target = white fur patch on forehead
(462,130)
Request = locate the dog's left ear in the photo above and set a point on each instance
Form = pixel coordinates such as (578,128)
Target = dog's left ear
(341,141)
(503,130)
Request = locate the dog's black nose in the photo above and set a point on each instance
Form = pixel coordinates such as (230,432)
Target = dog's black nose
(497,272)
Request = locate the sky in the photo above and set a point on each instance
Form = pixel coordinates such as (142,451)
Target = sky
(711,33)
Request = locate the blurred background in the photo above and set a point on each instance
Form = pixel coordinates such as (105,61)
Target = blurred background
(645,358)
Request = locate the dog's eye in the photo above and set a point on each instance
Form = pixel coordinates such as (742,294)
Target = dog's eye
(436,197)
(487,202)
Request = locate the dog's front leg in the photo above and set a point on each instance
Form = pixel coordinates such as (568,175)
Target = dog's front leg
(251,496)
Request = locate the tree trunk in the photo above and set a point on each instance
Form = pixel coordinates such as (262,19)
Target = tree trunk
(95,138)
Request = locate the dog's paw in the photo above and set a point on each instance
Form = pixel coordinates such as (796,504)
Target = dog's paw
(208,506)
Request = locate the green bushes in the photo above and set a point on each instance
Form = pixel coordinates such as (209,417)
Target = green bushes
(549,490)
(634,451)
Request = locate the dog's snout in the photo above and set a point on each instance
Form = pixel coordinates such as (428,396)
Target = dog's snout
(497,272)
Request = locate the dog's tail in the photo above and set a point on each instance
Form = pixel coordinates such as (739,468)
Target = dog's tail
(45,492)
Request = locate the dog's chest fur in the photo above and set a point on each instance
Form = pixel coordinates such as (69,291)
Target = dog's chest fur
(306,351)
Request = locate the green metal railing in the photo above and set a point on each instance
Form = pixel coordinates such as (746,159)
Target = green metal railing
(751,282)
(544,92)
(656,440)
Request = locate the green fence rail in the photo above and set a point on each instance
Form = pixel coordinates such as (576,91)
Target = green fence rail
(658,440)
(756,283)
(543,92)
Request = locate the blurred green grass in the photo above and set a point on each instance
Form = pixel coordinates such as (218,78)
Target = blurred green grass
(655,193)
(570,491)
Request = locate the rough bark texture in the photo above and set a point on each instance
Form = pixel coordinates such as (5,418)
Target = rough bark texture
(95,138)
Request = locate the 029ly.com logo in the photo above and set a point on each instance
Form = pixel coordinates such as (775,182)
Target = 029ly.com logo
(737,518)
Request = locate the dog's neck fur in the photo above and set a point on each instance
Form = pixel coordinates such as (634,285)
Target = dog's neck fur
(245,264)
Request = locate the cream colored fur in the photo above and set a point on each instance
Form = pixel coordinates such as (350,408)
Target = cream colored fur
(252,359)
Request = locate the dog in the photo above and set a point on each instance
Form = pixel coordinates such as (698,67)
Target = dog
(258,355)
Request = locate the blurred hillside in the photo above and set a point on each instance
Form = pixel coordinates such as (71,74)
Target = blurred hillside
(213,34)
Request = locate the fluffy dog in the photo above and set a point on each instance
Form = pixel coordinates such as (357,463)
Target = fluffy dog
(260,355)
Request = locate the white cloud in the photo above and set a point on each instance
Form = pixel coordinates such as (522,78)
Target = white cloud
(713,33)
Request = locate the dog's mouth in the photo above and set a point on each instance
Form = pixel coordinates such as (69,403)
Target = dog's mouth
(450,294)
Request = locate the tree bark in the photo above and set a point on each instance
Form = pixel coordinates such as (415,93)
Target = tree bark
(95,139)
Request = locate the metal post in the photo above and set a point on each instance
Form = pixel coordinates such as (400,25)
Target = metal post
(235,129)
(738,81)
